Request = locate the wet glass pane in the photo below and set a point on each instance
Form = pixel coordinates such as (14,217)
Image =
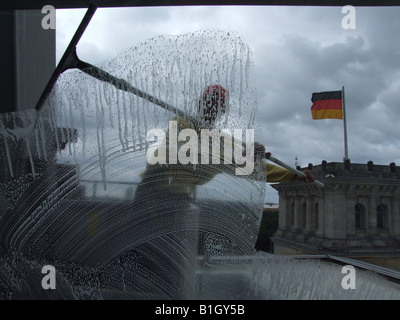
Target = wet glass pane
(81,199)
(79,192)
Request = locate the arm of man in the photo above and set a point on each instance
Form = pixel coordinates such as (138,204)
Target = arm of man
(276,173)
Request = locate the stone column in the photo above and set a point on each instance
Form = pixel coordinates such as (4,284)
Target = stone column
(309,217)
(297,213)
(363,200)
(371,211)
(387,218)
(320,230)
(395,213)
(284,207)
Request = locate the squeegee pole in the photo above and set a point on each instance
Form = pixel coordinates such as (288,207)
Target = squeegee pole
(286,166)
(67,59)
(123,85)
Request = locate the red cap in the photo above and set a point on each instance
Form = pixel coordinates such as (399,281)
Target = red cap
(213,100)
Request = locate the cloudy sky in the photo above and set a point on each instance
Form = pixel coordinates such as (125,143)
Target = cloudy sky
(296,51)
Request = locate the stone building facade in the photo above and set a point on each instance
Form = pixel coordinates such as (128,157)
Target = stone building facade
(356,215)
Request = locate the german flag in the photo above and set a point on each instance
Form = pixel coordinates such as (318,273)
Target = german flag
(327,105)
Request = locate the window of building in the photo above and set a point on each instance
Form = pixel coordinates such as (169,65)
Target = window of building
(381,216)
(359,215)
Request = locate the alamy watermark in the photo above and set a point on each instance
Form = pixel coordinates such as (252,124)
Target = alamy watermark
(49,20)
(49,280)
(349,280)
(188,152)
(349,20)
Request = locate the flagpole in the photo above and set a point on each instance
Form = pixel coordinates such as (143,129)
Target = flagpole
(346,153)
